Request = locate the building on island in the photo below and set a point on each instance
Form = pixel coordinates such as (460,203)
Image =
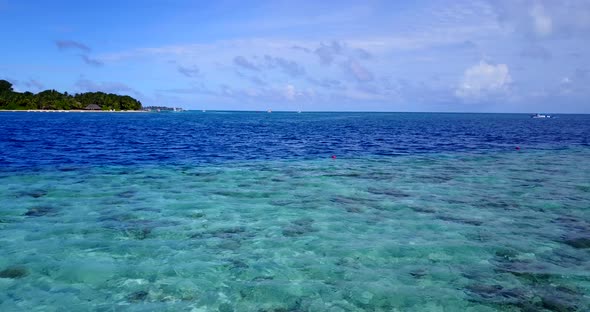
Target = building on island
(93,107)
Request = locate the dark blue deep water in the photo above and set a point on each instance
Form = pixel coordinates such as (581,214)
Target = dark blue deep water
(38,139)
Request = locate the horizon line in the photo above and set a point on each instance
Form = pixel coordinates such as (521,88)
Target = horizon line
(402,112)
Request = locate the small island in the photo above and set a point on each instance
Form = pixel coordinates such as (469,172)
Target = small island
(52,100)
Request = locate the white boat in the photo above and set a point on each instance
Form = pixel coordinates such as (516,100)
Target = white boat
(540,116)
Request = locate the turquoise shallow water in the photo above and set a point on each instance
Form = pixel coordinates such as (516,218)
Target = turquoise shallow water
(496,231)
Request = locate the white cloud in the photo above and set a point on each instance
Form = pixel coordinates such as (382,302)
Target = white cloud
(542,23)
(289,92)
(484,79)
(566,86)
(545,18)
(360,73)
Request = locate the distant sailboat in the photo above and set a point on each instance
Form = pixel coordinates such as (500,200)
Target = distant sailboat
(269,111)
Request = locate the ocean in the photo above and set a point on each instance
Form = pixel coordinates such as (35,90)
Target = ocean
(249,211)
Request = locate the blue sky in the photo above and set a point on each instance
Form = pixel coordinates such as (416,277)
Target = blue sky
(475,56)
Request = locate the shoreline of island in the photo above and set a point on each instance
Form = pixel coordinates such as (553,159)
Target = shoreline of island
(68,111)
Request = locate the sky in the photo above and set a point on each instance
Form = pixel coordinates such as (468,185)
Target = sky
(443,56)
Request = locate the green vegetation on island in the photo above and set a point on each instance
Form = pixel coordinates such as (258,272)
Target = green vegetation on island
(54,100)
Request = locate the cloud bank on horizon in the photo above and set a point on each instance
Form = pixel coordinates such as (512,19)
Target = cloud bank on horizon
(488,56)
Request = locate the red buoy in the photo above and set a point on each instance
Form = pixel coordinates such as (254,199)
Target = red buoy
(333,156)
